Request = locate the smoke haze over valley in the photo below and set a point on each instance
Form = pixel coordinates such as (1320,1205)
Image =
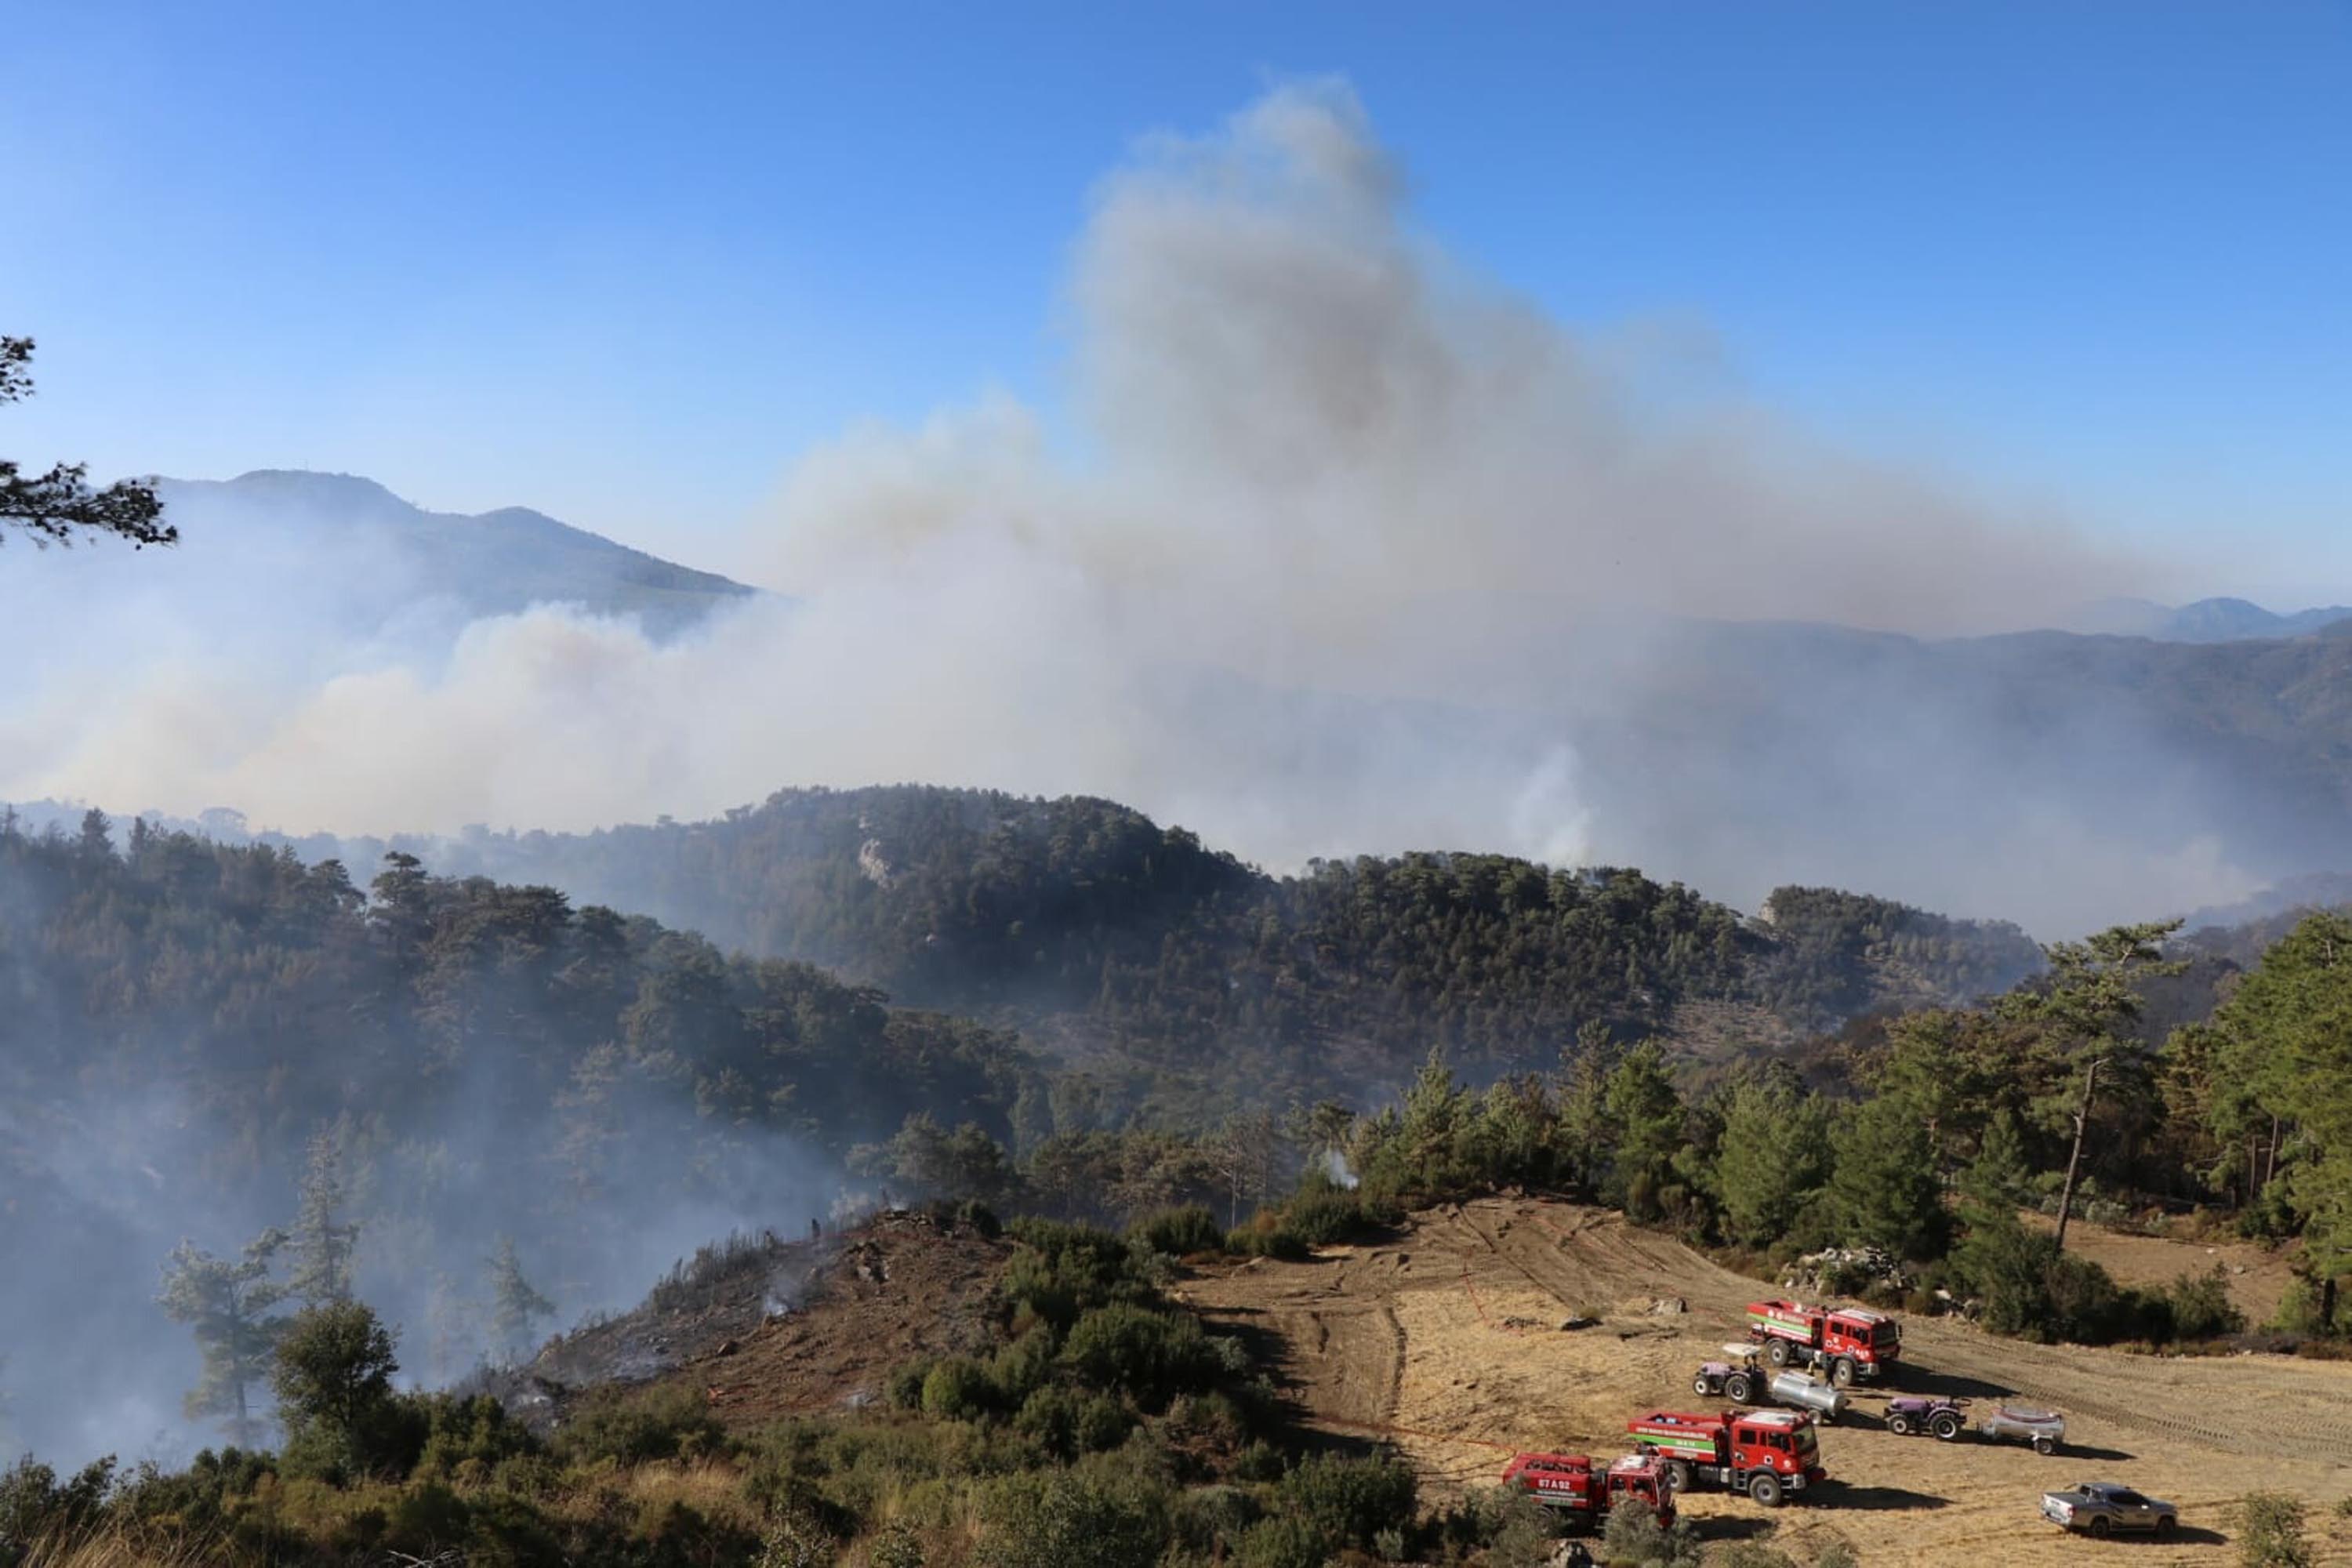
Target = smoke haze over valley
(1346,550)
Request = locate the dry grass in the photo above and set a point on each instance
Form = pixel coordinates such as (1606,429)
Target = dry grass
(113,1549)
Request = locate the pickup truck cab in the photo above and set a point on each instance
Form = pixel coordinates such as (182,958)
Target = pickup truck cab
(2108,1508)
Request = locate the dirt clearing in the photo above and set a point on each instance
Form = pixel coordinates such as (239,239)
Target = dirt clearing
(1448,1343)
(2258,1279)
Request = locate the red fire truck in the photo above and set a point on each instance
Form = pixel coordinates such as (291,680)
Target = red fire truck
(1569,1483)
(1767,1454)
(1848,1342)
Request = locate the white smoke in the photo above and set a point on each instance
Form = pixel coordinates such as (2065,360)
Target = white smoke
(1356,550)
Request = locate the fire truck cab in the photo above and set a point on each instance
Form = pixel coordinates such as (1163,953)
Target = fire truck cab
(1771,1455)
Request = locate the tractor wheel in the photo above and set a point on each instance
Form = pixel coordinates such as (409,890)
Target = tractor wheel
(2100,1525)
(1841,1371)
(1698,1386)
(1947,1425)
(1776,1351)
(1676,1477)
(2045,1447)
(1765,1488)
(1898,1424)
(1738,1388)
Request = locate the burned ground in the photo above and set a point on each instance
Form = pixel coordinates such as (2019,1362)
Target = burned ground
(761,1327)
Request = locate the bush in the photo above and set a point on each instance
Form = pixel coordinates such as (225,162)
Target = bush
(1212,1520)
(1633,1536)
(628,1428)
(957,1389)
(1086,1517)
(1151,1356)
(1179,1233)
(2201,1308)
(2270,1530)
(1348,1499)
(1269,1240)
(35,1505)
(1287,1542)
(1322,1212)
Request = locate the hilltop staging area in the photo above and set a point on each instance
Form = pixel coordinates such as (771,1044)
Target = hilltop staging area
(1447,1340)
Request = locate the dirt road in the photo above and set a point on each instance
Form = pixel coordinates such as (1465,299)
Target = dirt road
(1448,1343)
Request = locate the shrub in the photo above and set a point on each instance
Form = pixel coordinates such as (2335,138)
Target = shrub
(1020,1368)
(34,1504)
(2270,1530)
(1050,1417)
(1180,1233)
(1212,1520)
(1633,1536)
(1267,1241)
(1351,1499)
(1103,1424)
(1323,1212)
(2201,1308)
(957,1389)
(1149,1355)
(1287,1541)
(904,1387)
(1087,1518)
(634,1428)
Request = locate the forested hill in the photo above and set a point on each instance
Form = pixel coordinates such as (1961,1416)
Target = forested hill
(1115,935)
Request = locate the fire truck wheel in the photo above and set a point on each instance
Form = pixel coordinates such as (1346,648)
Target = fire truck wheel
(1899,1424)
(1841,1371)
(1765,1489)
(1948,1426)
(1738,1386)
(1676,1477)
(1776,1351)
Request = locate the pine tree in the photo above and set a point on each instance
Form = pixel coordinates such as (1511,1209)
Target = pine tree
(516,1309)
(321,1243)
(227,1303)
(1884,1191)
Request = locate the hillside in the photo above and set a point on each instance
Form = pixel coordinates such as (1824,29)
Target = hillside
(1112,935)
(492,564)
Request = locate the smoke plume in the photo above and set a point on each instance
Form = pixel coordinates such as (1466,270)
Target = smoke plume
(1337,547)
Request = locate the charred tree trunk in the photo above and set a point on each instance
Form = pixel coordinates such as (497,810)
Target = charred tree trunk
(2270,1163)
(2075,1158)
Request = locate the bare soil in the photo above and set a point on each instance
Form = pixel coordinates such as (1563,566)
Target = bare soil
(776,1328)
(1446,1342)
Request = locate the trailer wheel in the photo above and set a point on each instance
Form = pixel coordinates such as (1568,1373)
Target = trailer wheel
(2045,1447)
(1765,1488)
(1947,1425)
(1776,1351)
(1841,1371)
(1898,1424)
(1738,1386)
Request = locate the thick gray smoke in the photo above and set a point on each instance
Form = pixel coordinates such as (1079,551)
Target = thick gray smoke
(1345,548)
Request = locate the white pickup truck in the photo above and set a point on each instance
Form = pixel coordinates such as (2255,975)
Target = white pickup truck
(2105,1508)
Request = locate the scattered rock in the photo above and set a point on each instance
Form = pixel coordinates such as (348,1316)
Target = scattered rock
(1668,1306)
(1569,1325)
(727,1347)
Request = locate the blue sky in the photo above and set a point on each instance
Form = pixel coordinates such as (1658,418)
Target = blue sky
(623,263)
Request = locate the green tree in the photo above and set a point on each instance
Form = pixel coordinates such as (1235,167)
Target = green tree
(227,1303)
(1773,1156)
(54,506)
(516,1309)
(2287,1033)
(321,1243)
(2090,1004)
(1883,1191)
(2000,1177)
(1644,1113)
(332,1375)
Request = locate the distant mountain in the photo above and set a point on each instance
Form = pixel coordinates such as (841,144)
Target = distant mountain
(2206,620)
(491,564)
